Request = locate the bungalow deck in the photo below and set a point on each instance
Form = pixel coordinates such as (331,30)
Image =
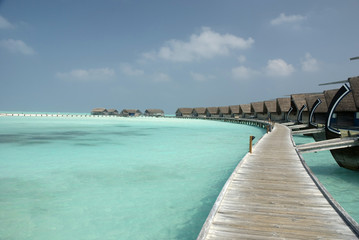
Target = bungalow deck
(272,195)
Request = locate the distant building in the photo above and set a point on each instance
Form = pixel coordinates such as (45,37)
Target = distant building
(320,113)
(257,109)
(224,112)
(199,112)
(130,113)
(270,109)
(112,112)
(234,110)
(184,112)
(99,111)
(212,112)
(283,108)
(245,110)
(154,113)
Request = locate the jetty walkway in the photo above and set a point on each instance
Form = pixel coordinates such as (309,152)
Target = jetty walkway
(272,195)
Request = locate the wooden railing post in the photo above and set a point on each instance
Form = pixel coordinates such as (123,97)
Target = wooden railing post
(250,143)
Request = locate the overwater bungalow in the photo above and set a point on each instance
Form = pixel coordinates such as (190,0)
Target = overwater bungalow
(130,113)
(245,111)
(234,111)
(354,85)
(99,111)
(113,112)
(270,108)
(283,108)
(199,112)
(345,113)
(212,112)
(320,112)
(300,111)
(184,112)
(224,112)
(257,109)
(154,113)
(343,104)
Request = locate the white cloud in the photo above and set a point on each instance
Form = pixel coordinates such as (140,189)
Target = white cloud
(201,77)
(161,77)
(309,64)
(128,70)
(284,19)
(206,45)
(242,72)
(16,46)
(5,24)
(279,68)
(87,75)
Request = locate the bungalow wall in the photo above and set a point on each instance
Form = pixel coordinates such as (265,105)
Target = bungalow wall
(277,117)
(262,116)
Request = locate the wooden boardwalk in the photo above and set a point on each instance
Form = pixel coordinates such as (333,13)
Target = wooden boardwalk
(270,195)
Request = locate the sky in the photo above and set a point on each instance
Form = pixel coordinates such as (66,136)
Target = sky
(73,55)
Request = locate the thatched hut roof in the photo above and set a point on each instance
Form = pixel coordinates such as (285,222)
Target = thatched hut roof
(185,110)
(354,85)
(130,111)
(245,108)
(99,110)
(213,110)
(299,100)
(322,108)
(270,106)
(200,110)
(347,104)
(284,104)
(224,110)
(112,110)
(154,111)
(258,107)
(234,109)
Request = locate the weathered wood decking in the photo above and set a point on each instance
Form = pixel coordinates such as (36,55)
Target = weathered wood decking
(330,144)
(270,195)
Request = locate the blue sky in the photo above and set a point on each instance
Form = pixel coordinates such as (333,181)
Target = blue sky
(72,55)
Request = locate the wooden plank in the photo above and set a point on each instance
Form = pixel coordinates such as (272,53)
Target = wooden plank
(270,195)
(308,131)
(336,143)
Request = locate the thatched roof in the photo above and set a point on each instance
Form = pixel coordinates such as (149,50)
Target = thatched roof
(354,85)
(99,110)
(284,104)
(245,108)
(213,110)
(299,101)
(199,110)
(112,110)
(234,109)
(185,110)
(131,111)
(258,107)
(322,108)
(347,104)
(270,106)
(153,111)
(224,110)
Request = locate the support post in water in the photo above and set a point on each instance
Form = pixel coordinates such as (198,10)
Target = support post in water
(250,143)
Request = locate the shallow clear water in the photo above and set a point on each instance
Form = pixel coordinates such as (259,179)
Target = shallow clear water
(113,178)
(342,184)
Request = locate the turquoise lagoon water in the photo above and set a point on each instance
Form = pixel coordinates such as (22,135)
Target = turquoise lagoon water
(113,178)
(342,184)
